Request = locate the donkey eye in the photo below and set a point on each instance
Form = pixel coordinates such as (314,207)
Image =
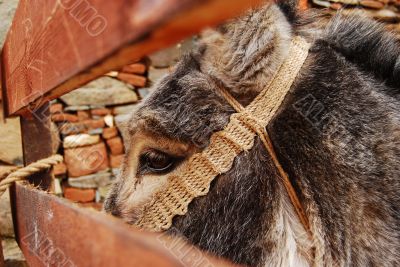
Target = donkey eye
(156,162)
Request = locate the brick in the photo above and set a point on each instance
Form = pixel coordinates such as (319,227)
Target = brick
(110,132)
(76,108)
(96,131)
(125,109)
(372,4)
(137,68)
(98,179)
(336,6)
(72,128)
(133,79)
(64,117)
(115,145)
(86,160)
(60,169)
(116,160)
(79,195)
(100,111)
(104,91)
(80,140)
(56,108)
(83,115)
(93,124)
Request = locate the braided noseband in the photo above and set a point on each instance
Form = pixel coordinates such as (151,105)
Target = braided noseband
(238,136)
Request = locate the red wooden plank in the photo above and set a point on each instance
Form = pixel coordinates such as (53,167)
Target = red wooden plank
(1,247)
(37,143)
(51,230)
(53,41)
(2,264)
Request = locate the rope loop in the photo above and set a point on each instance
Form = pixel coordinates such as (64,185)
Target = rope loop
(21,174)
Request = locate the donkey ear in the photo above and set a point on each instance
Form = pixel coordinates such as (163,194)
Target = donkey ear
(290,9)
(245,50)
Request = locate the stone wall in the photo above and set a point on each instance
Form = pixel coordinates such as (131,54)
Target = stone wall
(387,11)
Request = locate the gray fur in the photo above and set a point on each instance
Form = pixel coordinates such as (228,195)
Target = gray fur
(337,135)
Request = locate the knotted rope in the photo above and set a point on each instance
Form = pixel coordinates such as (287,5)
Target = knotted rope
(21,174)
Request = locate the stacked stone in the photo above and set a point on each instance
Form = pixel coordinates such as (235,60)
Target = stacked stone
(382,10)
(88,123)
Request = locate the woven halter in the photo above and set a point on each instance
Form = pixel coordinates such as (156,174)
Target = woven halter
(238,136)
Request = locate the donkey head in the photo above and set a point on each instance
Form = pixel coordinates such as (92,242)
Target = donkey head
(247,216)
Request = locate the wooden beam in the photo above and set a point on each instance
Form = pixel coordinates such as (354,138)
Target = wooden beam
(52,230)
(2,263)
(37,143)
(55,46)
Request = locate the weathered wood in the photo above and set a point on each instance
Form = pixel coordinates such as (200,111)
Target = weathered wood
(55,46)
(51,230)
(37,143)
(2,264)
(1,117)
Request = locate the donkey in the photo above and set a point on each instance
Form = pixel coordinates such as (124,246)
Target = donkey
(337,136)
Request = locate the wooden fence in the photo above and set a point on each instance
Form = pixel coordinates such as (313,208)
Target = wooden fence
(53,47)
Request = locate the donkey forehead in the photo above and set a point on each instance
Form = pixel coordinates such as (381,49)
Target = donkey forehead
(184,106)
